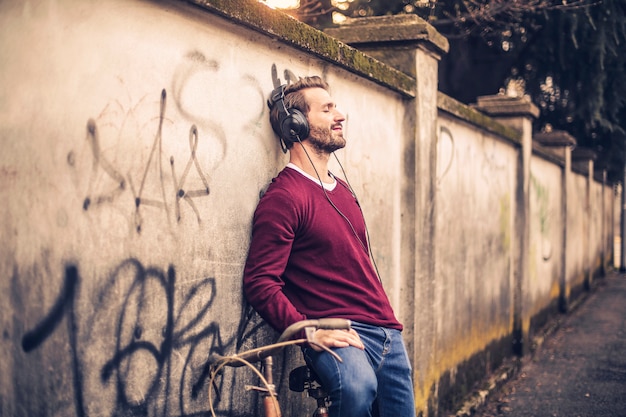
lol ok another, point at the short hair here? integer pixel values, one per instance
(294, 99)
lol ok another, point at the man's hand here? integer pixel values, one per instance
(336, 338)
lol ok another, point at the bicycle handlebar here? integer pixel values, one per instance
(327, 324)
(260, 353)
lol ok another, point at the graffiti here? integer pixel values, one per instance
(134, 179)
(138, 341)
(445, 135)
(290, 77)
(189, 195)
(42, 331)
(154, 164)
(64, 305)
(542, 198)
(202, 89)
(147, 341)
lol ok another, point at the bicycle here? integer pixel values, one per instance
(300, 378)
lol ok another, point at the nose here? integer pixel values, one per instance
(339, 117)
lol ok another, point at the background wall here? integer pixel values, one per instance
(135, 145)
(546, 233)
(476, 179)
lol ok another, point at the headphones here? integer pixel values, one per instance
(292, 123)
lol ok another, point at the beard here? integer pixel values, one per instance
(324, 140)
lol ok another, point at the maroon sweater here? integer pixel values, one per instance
(306, 262)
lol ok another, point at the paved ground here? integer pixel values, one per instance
(580, 369)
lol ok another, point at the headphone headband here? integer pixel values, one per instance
(277, 95)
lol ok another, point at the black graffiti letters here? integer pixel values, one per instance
(151, 189)
(189, 195)
(40, 333)
(145, 337)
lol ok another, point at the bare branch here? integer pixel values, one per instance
(490, 15)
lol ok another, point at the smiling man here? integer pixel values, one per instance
(309, 258)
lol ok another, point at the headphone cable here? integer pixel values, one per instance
(367, 233)
(365, 247)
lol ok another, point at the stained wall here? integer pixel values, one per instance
(135, 146)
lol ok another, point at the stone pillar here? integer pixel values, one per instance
(411, 45)
(622, 220)
(562, 140)
(394, 40)
(605, 229)
(517, 113)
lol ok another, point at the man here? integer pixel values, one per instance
(309, 258)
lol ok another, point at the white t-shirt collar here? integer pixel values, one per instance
(329, 187)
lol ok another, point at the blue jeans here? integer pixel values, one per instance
(373, 382)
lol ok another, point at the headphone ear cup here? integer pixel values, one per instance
(295, 126)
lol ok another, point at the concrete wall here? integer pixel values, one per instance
(135, 144)
(577, 233)
(546, 237)
(483, 302)
(476, 181)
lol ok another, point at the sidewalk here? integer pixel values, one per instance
(580, 369)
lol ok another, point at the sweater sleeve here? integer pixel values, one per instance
(273, 231)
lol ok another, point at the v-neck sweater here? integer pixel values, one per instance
(309, 257)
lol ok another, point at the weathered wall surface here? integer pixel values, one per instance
(482, 298)
(474, 223)
(577, 237)
(476, 175)
(133, 154)
(546, 235)
(135, 143)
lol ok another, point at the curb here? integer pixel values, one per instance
(502, 375)
(488, 388)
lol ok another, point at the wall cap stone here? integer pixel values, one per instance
(280, 26)
(408, 28)
(584, 154)
(477, 118)
(504, 106)
(555, 138)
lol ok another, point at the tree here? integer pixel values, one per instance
(569, 56)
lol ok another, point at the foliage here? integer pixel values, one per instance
(569, 56)
(574, 70)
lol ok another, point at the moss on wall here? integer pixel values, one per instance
(460, 110)
(261, 18)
